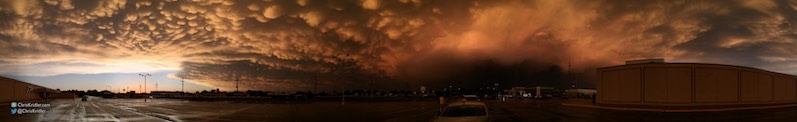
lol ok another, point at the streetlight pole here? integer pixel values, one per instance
(343, 98)
(182, 84)
(145, 83)
(236, 83)
(343, 61)
(343, 92)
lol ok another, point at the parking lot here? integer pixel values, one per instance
(99, 109)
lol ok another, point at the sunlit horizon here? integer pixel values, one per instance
(115, 82)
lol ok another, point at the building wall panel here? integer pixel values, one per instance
(765, 87)
(671, 85)
(622, 85)
(599, 86)
(783, 89)
(749, 87)
(679, 85)
(716, 85)
(20, 92)
(6, 89)
(655, 83)
(756, 86)
(24, 91)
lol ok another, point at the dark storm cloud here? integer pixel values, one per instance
(742, 34)
(299, 44)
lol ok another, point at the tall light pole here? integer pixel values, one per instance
(570, 77)
(236, 83)
(156, 85)
(182, 84)
(145, 83)
(572, 82)
(343, 61)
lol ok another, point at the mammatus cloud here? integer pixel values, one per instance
(319, 44)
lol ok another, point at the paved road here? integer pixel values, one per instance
(551, 110)
(98, 109)
(315, 112)
(92, 110)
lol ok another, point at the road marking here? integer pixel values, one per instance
(157, 115)
(52, 114)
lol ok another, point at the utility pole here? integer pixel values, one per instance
(156, 85)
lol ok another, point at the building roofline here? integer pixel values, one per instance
(745, 67)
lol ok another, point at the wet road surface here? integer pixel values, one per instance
(134, 110)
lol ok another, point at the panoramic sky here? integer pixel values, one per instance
(387, 44)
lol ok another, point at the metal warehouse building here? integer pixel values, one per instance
(14, 90)
(656, 83)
